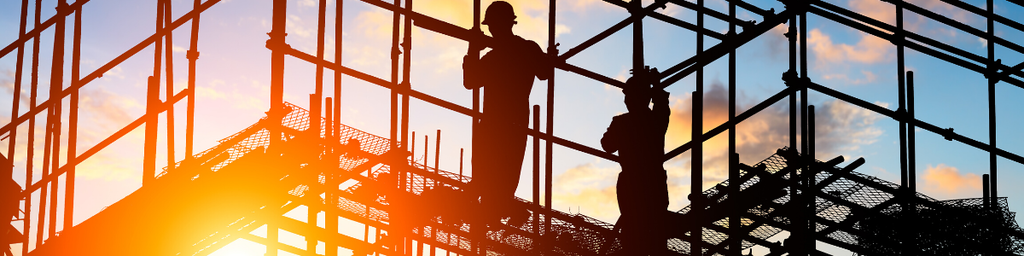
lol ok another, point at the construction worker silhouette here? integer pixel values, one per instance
(641, 190)
(506, 75)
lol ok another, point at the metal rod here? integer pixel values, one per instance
(791, 35)
(734, 172)
(56, 84)
(338, 35)
(16, 96)
(406, 71)
(76, 57)
(911, 137)
(192, 56)
(30, 152)
(152, 99)
(43, 199)
(437, 154)
(170, 87)
(901, 83)
(330, 218)
(549, 157)
(809, 183)
(536, 169)
(993, 169)
(986, 198)
(697, 153)
(277, 37)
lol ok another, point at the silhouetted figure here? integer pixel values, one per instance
(506, 74)
(642, 190)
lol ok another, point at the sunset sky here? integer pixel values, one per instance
(233, 78)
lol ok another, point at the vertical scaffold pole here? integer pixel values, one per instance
(809, 216)
(56, 86)
(72, 151)
(735, 248)
(170, 84)
(152, 100)
(549, 157)
(697, 153)
(30, 152)
(15, 104)
(192, 56)
(277, 41)
(992, 80)
(791, 75)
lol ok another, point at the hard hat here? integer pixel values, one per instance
(499, 11)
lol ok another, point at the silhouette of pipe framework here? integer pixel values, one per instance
(376, 184)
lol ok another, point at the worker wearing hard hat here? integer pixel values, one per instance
(506, 74)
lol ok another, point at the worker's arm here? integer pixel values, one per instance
(544, 67)
(610, 142)
(661, 109)
(470, 73)
(471, 77)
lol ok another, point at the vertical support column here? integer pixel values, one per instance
(395, 51)
(406, 71)
(986, 198)
(536, 169)
(56, 86)
(790, 77)
(791, 73)
(30, 152)
(330, 219)
(906, 194)
(192, 56)
(338, 20)
(993, 170)
(152, 101)
(16, 96)
(735, 248)
(697, 198)
(170, 84)
(76, 57)
(911, 137)
(437, 155)
(549, 157)
(43, 190)
(315, 105)
(809, 241)
(15, 104)
(277, 41)
(809, 182)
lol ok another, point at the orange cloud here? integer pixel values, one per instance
(869, 50)
(947, 181)
(589, 188)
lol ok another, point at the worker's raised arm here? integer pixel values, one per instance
(544, 66)
(471, 72)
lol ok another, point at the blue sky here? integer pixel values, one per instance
(233, 89)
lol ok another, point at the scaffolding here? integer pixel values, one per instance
(38, 220)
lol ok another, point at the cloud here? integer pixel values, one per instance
(869, 50)
(947, 181)
(589, 187)
(868, 77)
(109, 106)
(7, 85)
